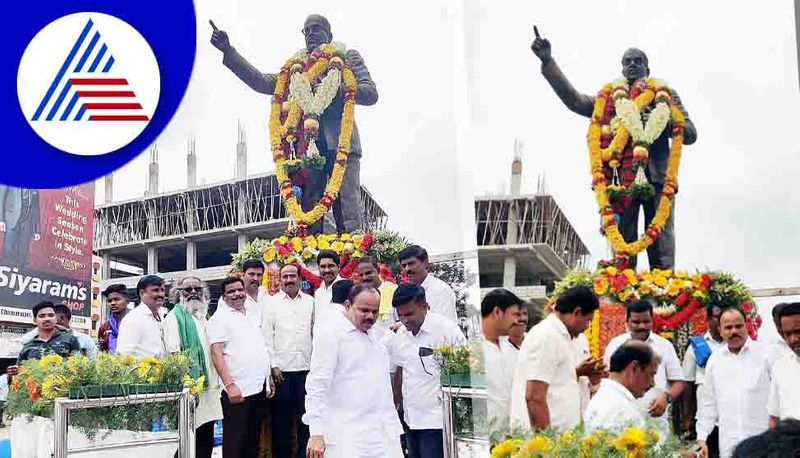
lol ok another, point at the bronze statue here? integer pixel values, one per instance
(660, 254)
(347, 208)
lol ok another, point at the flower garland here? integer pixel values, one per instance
(294, 142)
(618, 168)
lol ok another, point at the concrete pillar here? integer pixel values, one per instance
(516, 169)
(108, 188)
(105, 273)
(152, 260)
(152, 172)
(191, 165)
(509, 272)
(242, 241)
(191, 255)
(241, 154)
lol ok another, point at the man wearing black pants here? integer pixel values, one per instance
(242, 362)
(288, 322)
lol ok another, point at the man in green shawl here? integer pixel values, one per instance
(186, 331)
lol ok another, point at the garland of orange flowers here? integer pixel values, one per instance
(597, 154)
(282, 134)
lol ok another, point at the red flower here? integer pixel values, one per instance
(367, 242)
(619, 282)
(758, 321)
(680, 301)
(706, 281)
(747, 307)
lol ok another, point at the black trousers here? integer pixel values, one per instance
(425, 443)
(242, 425)
(290, 395)
(713, 443)
(204, 440)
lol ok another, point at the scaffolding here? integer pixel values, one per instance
(225, 205)
(538, 219)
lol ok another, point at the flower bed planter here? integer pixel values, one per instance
(463, 380)
(102, 391)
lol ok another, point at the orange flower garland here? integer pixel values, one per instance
(282, 135)
(598, 156)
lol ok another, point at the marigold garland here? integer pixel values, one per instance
(644, 93)
(284, 135)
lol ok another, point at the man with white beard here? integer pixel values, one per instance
(186, 331)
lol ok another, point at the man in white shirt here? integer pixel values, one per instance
(694, 369)
(349, 406)
(328, 265)
(613, 407)
(669, 377)
(784, 396)
(499, 313)
(256, 298)
(410, 350)
(186, 331)
(545, 392)
(287, 328)
(242, 361)
(141, 333)
(440, 296)
(777, 345)
(737, 378)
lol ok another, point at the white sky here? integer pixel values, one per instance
(442, 133)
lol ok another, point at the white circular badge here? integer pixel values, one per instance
(88, 83)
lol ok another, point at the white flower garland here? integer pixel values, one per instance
(630, 116)
(310, 102)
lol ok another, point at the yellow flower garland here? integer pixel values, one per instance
(596, 156)
(280, 133)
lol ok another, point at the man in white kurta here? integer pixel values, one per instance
(614, 407)
(440, 296)
(328, 265)
(141, 333)
(349, 406)
(193, 295)
(669, 377)
(738, 380)
(784, 397)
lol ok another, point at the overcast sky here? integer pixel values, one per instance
(442, 132)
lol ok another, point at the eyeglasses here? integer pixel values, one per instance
(189, 289)
(307, 30)
(424, 351)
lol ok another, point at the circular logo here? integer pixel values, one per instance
(88, 83)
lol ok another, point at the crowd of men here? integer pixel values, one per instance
(740, 391)
(347, 372)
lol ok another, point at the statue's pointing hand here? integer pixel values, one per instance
(219, 38)
(541, 47)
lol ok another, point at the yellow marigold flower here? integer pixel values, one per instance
(600, 286)
(660, 280)
(538, 446)
(645, 288)
(625, 294)
(653, 436)
(53, 386)
(567, 438)
(345, 237)
(126, 360)
(506, 448)
(50, 361)
(699, 294)
(697, 280)
(681, 274)
(269, 254)
(201, 382)
(358, 239)
(297, 243)
(323, 244)
(306, 254)
(674, 287)
(633, 439)
(337, 246)
(283, 239)
(311, 241)
(611, 270)
(24, 371)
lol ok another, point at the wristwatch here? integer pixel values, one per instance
(669, 397)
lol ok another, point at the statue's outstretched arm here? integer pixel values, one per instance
(689, 131)
(263, 83)
(366, 92)
(579, 103)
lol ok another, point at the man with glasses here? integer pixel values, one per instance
(186, 331)
(411, 349)
(141, 333)
(317, 32)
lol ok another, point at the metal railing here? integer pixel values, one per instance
(449, 427)
(185, 439)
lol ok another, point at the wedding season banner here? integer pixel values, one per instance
(46, 251)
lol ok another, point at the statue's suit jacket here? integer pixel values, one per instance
(584, 105)
(264, 83)
(19, 206)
